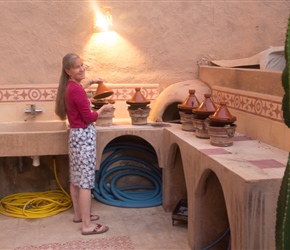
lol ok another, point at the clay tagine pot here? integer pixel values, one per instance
(102, 91)
(98, 103)
(138, 100)
(205, 109)
(222, 116)
(190, 103)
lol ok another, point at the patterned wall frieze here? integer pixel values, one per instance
(40, 94)
(27, 94)
(121, 94)
(256, 105)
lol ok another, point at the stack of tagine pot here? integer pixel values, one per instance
(186, 111)
(98, 100)
(204, 110)
(138, 109)
(221, 127)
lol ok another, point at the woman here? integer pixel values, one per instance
(72, 102)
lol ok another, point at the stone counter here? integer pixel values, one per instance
(234, 187)
(151, 132)
(249, 174)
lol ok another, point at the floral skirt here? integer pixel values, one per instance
(82, 156)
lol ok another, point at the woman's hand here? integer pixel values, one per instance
(92, 81)
(96, 80)
(105, 108)
(108, 107)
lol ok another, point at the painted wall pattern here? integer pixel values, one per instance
(258, 106)
(41, 94)
(121, 94)
(27, 94)
(262, 107)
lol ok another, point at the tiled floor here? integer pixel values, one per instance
(148, 228)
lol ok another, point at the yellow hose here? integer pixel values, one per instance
(33, 205)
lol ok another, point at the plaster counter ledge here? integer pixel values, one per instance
(250, 174)
(123, 124)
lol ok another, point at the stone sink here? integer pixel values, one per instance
(33, 138)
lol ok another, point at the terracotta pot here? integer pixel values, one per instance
(105, 118)
(222, 136)
(186, 121)
(190, 103)
(200, 128)
(139, 116)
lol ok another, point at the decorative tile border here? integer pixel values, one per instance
(27, 94)
(257, 105)
(39, 94)
(121, 93)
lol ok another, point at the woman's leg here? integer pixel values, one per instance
(88, 227)
(74, 193)
(82, 171)
(85, 209)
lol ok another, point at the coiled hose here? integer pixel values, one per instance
(139, 196)
(33, 205)
(219, 239)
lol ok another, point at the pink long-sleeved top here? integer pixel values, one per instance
(78, 106)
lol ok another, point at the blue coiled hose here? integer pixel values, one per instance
(140, 196)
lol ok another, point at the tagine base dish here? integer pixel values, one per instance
(221, 121)
(98, 103)
(202, 115)
(136, 105)
(185, 109)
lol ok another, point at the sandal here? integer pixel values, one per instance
(93, 217)
(99, 229)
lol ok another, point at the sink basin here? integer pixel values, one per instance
(33, 138)
(33, 127)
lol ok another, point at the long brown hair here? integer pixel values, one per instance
(68, 62)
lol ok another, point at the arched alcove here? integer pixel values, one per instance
(175, 175)
(171, 113)
(129, 175)
(127, 140)
(173, 95)
(211, 218)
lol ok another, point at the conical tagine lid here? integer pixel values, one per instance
(207, 106)
(222, 115)
(138, 99)
(102, 91)
(191, 102)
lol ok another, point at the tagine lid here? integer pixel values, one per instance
(206, 107)
(138, 99)
(191, 102)
(222, 115)
(102, 91)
